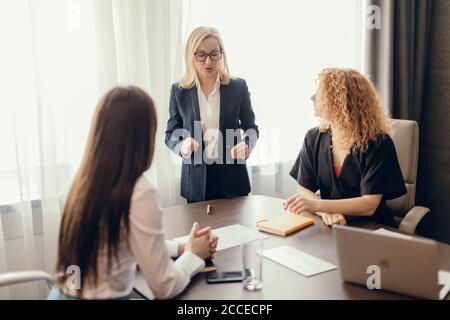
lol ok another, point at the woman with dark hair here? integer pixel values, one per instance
(112, 220)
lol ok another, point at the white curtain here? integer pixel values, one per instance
(43, 97)
(58, 57)
(140, 42)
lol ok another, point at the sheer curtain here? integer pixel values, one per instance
(48, 90)
(58, 57)
(140, 42)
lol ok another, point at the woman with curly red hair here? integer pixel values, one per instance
(350, 156)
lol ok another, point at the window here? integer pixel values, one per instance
(49, 71)
(279, 47)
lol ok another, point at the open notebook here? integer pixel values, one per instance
(285, 224)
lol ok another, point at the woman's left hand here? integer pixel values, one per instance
(240, 151)
(297, 204)
(330, 219)
(214, 240)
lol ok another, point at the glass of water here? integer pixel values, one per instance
(252, 263)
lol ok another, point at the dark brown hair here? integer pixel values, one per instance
(119, 150)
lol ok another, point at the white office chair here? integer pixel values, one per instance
(406, 139)
(12, 278)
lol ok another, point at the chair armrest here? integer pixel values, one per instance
(412, 218)
(10, 278)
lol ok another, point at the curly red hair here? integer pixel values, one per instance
(350, 103)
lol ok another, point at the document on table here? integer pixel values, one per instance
(231, 236)
(298, 261)
(444, 280)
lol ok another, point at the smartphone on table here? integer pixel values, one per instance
(225, 276)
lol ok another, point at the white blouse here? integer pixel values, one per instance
(209, 107)
(148, 248)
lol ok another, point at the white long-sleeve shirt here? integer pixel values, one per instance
(209, 107)
(148, 248)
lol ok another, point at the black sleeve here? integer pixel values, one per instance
(173, 123)
(381, 173)
(247, 118)
(304, 169)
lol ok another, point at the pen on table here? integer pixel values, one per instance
(208, 209)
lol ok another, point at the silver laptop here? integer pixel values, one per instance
(404, 265)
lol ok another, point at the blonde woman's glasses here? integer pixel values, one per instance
(202, 56)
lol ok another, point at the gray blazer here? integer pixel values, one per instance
(235, 113)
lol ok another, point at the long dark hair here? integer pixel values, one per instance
(119, 150)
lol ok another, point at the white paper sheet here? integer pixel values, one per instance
(231, 236)
(444, 280)
(298, 261)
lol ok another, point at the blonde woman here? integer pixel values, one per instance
(208, 110)
(350, 157)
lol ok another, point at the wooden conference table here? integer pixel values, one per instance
(278, 281)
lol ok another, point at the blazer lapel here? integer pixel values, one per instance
(195, 103)
(223, 103)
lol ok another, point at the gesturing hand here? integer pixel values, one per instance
(189, 145)
(200, 234)
(240, 151)
(297, 204)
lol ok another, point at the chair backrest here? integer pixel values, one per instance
(406, 141)
(11, 278)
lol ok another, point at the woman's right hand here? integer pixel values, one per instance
(330, 219)
(189, 145)
(199, 245)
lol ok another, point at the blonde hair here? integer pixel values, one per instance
(351, 104)
(192, 44)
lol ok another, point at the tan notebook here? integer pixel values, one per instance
(284, 224)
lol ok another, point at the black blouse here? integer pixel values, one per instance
(374, 171)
